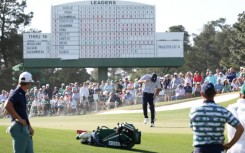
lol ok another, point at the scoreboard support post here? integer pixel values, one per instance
(102, 73)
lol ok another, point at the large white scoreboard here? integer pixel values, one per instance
(103, 29)
(114, 33)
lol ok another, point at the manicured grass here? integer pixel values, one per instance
(63, 141)
(57, 134)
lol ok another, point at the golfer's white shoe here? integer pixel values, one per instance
(146, 120)
(152, 125)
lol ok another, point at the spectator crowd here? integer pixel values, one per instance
(75, 98)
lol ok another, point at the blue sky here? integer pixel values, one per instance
(192, 14)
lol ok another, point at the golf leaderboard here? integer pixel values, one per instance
(94, 29)
(115, 33)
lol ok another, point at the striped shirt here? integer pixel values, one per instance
(208, 123)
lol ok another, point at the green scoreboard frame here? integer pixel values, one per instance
(104, 62)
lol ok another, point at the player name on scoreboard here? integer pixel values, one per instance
(37, 45)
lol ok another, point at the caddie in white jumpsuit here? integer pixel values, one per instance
(238, 110)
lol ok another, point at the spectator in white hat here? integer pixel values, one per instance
(221, 77)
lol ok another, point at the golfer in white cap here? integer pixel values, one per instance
(20, 128)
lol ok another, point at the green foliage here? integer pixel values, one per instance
(223, 43)
(237, 39)
(7, 81)
(13, 19)
(206, 48)
(69, 75)
(55, 77)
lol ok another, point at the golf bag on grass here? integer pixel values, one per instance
(123, 136)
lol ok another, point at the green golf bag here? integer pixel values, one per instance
(123, 136)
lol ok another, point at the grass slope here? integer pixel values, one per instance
(57, 134)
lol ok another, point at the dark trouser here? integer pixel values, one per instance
(148, 98)
(210, 148)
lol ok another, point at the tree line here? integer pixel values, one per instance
(218, 45)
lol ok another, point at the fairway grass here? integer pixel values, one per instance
(57, 134)
(63, 141)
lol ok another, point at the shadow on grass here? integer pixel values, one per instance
(133, 150)
(166, 127)
(143, 151)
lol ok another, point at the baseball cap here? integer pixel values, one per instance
(25, 77)
(208, 88)
(243, 89)
(154, 77)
